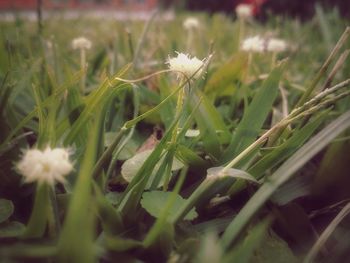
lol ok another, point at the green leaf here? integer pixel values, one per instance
(76, 243)
(255, 115)
(283, 174)
(231, 172)
(11, 229)
(210, 249)
(211, 125)
(189, 157)
(131, 167)
(95, 99)
(273, 249)
(298, 138)
(128, 150)
(133, 193)
(118, 244)
(6, 209)
(245, 249)
(39, 217)
(111, 220)
(154, 202)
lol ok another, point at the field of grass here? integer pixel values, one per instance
(247, 162)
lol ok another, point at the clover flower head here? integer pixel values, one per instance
(276, 45)
(47, 166)
(254, 44)
(191, 23)
(81, 43)
(244, 10)
(188, 66)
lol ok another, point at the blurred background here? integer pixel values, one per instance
(296, 8)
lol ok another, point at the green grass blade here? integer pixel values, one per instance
(282, 152)
(244, 250)
(210, 123)
(282, 174)
(76, 241)
(255, 115)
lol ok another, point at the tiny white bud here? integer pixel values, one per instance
(81, 43)
(253, 44)
(244, 11)
(191, 23)
(276, 45)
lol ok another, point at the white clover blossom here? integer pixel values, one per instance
(244, 10)
(188, 66)
(191, 23)
(81, 43)
(47, 166)
(276, 45)
(254, 44)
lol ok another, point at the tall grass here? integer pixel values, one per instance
(225, 148)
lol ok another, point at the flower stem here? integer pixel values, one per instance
(83, 69)
(178, 110)
(39, 217)
(273, 60)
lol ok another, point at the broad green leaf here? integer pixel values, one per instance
(209, 188)
(153, 202)
(128, 150)
(131, 166)
(255, 115)
(6, 209)
(133, 192)
(273, 249)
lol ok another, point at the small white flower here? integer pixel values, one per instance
(188, 66)
(46, 166)
(276, 45)
(81, 43)
(244, 11)
(191, 23)
(254, 44)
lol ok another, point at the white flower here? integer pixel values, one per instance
(191, 23)
(276, 45)
(81, 43)
(46, 166)
(244, 11)
(188, 66)
(254, 44)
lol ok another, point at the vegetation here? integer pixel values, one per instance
(245, 163)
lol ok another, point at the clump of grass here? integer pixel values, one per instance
(255, 122)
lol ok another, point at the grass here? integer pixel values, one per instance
(253, 186)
